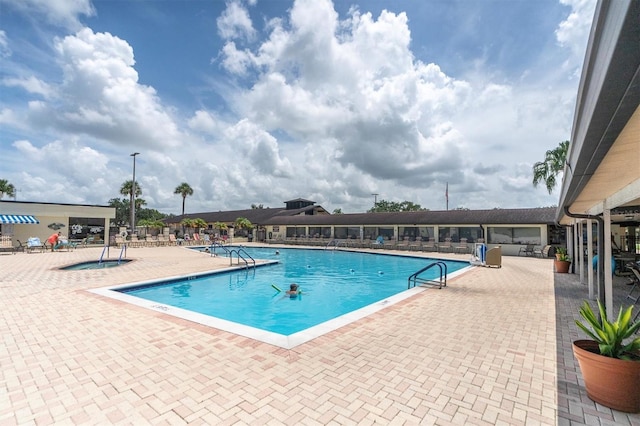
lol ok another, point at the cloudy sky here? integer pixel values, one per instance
(263, 101)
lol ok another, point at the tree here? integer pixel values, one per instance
(337, 211)
(122, 210)
(125, 189)
(199, 223)
(187, 223)
(392, 206)
(553, 164)
(153, 224)
(7, 188)
(243, 223)
(220, 226)
(184, 190)
(257, 206)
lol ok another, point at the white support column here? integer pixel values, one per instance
(576, 237)
(608, 272)
(106, 231)
(579, 257)
(569, 235)
(590, 259)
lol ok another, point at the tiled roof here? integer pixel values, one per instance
(281, 216)
(255, 216)
(544, 215)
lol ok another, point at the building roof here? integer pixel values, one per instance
(543, 215)
(255, 216)
(602, 162)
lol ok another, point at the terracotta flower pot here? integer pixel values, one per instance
(612, 382)
(562, 266)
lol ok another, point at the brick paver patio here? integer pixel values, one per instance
(494, 347)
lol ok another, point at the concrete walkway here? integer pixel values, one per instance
(494, 347)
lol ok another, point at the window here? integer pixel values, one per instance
(508, 235)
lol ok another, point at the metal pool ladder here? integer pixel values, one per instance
(414, 279)
(241, 253)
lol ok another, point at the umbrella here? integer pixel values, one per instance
(55, 225)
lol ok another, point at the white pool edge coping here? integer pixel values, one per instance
(275, 339)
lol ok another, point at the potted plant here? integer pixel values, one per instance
(562, 262)
(560, 251)
(610, 367)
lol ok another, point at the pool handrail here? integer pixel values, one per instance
(122, 250)
(415, 280)
(336, 242)
(239, 252)
(105, 248)
(212, 248)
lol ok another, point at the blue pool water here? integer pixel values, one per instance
(83, 266)
(333, 283)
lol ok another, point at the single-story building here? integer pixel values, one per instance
(21, 220)
(303, 219)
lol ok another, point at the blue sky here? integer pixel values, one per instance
(259, 102)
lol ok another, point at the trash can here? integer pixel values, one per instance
(250, 238)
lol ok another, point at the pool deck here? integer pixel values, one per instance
(494, 347)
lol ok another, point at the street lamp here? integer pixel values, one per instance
(133, 195)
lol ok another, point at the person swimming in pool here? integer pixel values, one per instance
(293, 290)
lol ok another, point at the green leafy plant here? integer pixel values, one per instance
(611, 335)
(564, 257)
(561, 250)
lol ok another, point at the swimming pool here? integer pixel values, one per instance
(337, 287)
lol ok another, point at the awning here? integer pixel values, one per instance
(18, 218)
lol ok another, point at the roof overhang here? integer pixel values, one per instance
(603, 162)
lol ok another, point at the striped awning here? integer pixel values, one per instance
(18, 218)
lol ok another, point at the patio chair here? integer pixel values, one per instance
(635, 283)
(543, 252)
(527, 250)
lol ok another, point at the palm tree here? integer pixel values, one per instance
(183, 189)
(243, 223)
(151, 223)
(7, 188)
(553, 164)
(220, 226)
(125, 189)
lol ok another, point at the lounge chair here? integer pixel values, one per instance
(65, 244)
(430, 245)
(462, 247)
(389, 244)
(173, 241)
(33, 244)
(404, 244)
(378, 243)
(445, 247)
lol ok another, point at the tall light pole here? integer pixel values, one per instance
(133, 195)
(375, 200)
